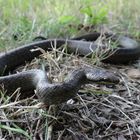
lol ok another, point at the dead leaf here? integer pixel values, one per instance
(134, 73)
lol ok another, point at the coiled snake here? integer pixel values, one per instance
(127, 50)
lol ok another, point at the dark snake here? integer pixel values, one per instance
(127, 50)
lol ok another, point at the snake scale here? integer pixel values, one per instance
(127, 50)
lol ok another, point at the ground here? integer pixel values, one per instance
(98, 111)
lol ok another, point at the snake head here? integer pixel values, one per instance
(101, 76)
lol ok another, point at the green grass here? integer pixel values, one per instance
(125, 16)
(51, 18)
(17, 130)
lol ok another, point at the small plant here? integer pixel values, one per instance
(94, 13)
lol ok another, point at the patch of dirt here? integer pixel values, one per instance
(102, 116)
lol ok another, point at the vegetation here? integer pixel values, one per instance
(21, 21)
(55, 18)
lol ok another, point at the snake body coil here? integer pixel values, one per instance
(48, 93)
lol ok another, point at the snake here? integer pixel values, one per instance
(36, 80)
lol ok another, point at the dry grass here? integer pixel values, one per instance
(98, 112)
